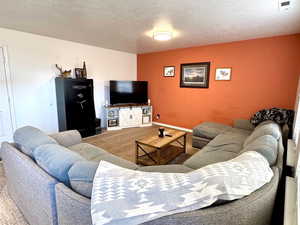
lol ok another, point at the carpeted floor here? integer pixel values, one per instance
(9, 213)
(122, 143)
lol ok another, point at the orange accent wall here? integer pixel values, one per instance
(264, 75)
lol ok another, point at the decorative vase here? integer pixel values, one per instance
(84, 73)
(161, 132)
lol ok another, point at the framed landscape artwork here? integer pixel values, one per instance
(195, 75)
(223, 74)
(169, 71)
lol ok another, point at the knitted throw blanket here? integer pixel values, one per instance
(279, 116)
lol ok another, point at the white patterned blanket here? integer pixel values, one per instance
(122, 196)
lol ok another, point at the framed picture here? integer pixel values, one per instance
(169, 71)
(195, 75)
(78, 73)
(223, 74)
(145, 110)
(113, 123)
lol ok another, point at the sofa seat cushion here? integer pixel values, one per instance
(96, 154)
(209, 155)
(209, 130)
(239, 131)
(234, 148)
(265, 128)
(29, 138)
(56, 160)
(199, 142)
(81, 176)
(87, 151)
(228, 139)
(116, 160)
(166, 169)
(266, 145)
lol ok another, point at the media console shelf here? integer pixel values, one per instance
(125, 116)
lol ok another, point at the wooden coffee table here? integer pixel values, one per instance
(159, 145)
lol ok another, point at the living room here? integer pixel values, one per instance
(155, 89)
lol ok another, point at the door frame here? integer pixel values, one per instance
(8, 80)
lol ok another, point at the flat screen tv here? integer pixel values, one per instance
(128, 92)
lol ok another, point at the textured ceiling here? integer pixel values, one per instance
(126, 25)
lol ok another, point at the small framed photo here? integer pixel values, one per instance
(113, 123)
(169, 71)
(145, 111)
(223, 74)
(78, 73)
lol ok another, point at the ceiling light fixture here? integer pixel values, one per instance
(162, 35)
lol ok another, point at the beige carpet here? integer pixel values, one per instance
(9, 213)
(122, 143)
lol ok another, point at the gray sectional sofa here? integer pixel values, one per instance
(205, 132)
(50, 177)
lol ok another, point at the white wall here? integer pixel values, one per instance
(32, 61)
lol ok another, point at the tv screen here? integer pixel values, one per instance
(128, 92)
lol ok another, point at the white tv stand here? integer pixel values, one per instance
(125, 116)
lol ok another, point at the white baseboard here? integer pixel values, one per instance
(174, 127)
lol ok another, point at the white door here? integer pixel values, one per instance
(6, 115)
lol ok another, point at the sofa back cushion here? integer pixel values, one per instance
(266, 128)
(56, 160)
(210, 130)
(266, 145)
(228, 140)
(81, 176)
(28, 138)
(67, 138)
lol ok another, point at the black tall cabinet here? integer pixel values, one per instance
(75, 105)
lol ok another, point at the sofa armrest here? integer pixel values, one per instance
(72, 208)
(67, 138)
(31, 188)
(243, 124)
